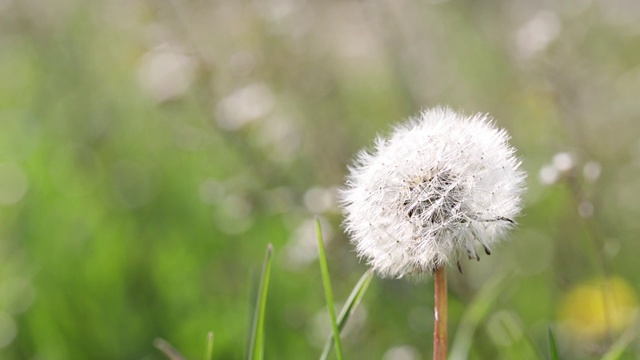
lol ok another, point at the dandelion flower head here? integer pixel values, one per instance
(442, 185)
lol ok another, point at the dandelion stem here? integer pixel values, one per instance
(440, 315)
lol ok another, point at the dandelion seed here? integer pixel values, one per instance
(440, 186)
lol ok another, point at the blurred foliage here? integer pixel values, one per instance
(149, 150)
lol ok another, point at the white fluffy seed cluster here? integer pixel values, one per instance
(440, 186)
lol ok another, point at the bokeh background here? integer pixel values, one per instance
(149, 151)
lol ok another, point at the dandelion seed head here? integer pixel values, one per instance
(440, 186)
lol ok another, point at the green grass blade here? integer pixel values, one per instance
(553, 345)
(171, 352)
(209, 354)
(256, 347)
(475, 312)
(347, 310)
(326, 282)
(354, 299)
(620, 346)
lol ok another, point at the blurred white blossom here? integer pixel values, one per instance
(562, 164)
(319, 200)
(235, 215)
(585, 209)
(166, 72)
(441, 182)
(591, 171)
(403, 352)
(537, 33)
(302, 248)
(244, 105)
(280, 137)
(548, 175)
(563, 161)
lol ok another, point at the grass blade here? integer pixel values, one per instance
(553, 345)
(171, 352)
(347, 310)
(326, 282)
(620, 346)
(256, 347)
(476, 311)
(209, 354)
(354, 299)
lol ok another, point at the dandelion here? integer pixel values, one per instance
(441, 184)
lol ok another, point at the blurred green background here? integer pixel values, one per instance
(149, 151)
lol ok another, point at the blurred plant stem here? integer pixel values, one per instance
(171, 352)
(209, 354)
(594, 232)
(440, 315)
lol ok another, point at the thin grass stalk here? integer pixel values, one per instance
(553, 345)
(171, 352)
(209, 353)
(348, 309)
(256, 347)
(326, 282)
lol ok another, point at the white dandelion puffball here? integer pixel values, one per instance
(438, 187)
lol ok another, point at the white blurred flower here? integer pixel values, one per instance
(319, 200)
(563, 162)
(166, 72)
(403, 352)
(302, 248)
(585, 209)
(441, 182)
(537, 33)
(549, 175)
(245, 105)
(281, 138)
(591, 171)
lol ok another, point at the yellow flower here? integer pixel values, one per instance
(595, 309)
